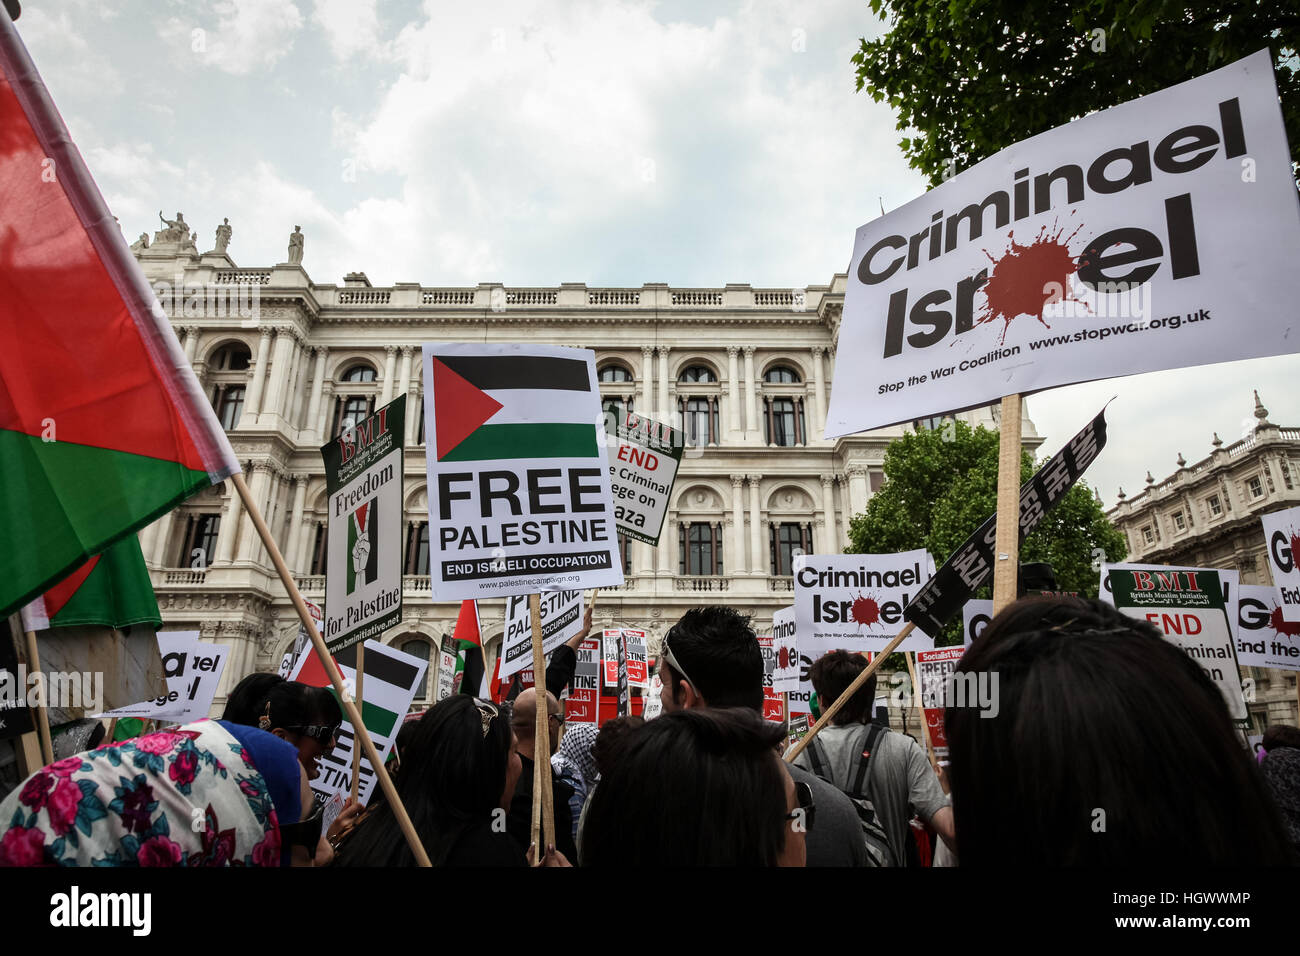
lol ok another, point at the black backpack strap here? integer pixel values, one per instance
(815, 756)
(874, 732)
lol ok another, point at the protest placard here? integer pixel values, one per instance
(519, 492)
(583, 704)
(975, 616)
(363, 475)
(1264, 637)
(192, 669)
(773, 702)
(643, 460)
(1187, 607)
(1282, 541)
(561, 619)
(447, 654)
(1229, 583)
(654, 705)
(933, 669)
(303, 642)
(392, 679)
(635, 641)
(856, 601)
(1157, 234)
(785, 652)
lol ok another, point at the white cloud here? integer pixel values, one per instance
(249, 35)
(60, 50)
(351, 26)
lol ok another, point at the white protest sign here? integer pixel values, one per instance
(1157, 234)
(635, 643)
(192, 668)
(1264, 637)
(653, 702)
(1229, 582)
(933, 668)
(1187, 607)
(392, 679)
(643, 460)
(519, 493)
(291, 656)
(975, 616)
(1282, 545)
(856, 601)
(785, 652)
(446, 669)
(583, 705)
(561, 619)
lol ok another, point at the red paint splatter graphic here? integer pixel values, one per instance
(1027, 279)
(866, 611)
(1295, 544)
(1283, 626)
(783, 659)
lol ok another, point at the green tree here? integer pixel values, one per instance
(971, 77)
(941, 485)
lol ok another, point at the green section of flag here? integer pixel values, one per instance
(63, 503)
(127, 728)
(527, 440)
(378, 721)
(352, 542)
(117, 593)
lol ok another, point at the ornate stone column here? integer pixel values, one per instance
(325, 420)
(846, 512)
(313, 407)
(163, 544)
(390, 367)
(817, 421)
(826, 524)
(756, 564)
(859, 490)
(404, 376)
(734, 432)
(664, 412)
(228, 533)
(191, 343)
(294, 539)
(280, 383)
(752, 428)
(647, 382)
(253, 406)
(250, 548)
(737, 543)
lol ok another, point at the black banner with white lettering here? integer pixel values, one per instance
(953, 584)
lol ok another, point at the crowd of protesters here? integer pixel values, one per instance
(1108, 746)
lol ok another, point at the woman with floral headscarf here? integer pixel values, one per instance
(205, 794)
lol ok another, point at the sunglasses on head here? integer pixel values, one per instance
(323, 734)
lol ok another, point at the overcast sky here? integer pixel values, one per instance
(532, 143)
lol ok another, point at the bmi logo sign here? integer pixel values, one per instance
(363, 475)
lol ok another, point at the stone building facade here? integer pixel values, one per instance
(1207, 515)
(284, 360)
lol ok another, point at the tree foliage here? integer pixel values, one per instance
(971, 77)
(941, 485)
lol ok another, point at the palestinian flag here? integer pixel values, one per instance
(112, 589)
(386, 692)
(103, 426)
(486, 407)
(469, 661)
(363, 525)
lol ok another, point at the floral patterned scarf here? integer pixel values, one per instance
(189, 796)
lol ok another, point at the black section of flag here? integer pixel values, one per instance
(390, 670)
(493, 372)
(947, 592)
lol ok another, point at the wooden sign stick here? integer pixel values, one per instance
(356, 751)
(42, 715)
(336, 679)
(1006, 549)
(543, 799)
(849, 691)
(920, 710)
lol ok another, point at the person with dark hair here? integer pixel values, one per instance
(1281, 770)
(612, 739)
(457, 775)
(308, 717)
(711, 658)
(247, 700)
(885, 774)
(1085, 720)
(699, 788)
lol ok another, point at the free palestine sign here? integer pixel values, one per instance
(1158, 234)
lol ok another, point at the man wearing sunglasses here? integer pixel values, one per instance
(519, 820)
(711, 658)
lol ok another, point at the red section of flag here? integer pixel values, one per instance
(467, 624)
(361, 518)
(459, 407)
(313, 671)
(59, 595)
(63, 319)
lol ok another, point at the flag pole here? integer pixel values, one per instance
(849, 691)
(318, 643)
(1006, 549)
(42, 716)
(543, 800)
(356, 751)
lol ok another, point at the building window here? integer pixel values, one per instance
(1212, 503)
(1254, 487)
(700, 548)
(697, 374)
(228, 402)
(200, 544)
(615, 373)
(615, 408)
(625, 553)
(420, 440)
(1180, 524)
(351, 411)
(231, 358)
(699, 420)
(359, 373)
(417, 548)
(320, 550)
(932, 424)
(1148, 536)
(787, 540)
(417, 648)
(781, 375)
(784, 422)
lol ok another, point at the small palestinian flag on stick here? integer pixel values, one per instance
(111, 589)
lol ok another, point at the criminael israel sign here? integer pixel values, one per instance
(519, 493)
(1157, 234)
